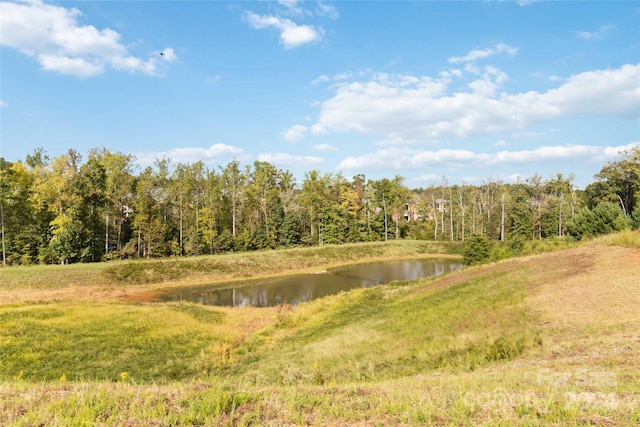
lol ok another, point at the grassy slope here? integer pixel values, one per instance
(548, 339)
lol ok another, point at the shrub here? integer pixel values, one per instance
(516, 244)
(499, 252)
(291, 230)
(605, 218)
(635, 218)
(476, 250)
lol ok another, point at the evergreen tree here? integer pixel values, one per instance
(476, 250)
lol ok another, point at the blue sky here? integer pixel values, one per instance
(469, 91)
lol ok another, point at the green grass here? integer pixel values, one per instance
(393, 331)
(43, 342)
(468, 348)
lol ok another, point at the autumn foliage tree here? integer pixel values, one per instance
(69, 209)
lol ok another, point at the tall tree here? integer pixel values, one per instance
(211, 213)
(558, 189)
(89, 186)
(119, 194)
(196, 176)
(520, 217)
(178, 190)
(619, 182)
(264, 179)
(463, 209)
(37, 234)
(5, 195)
(383, 197)
(537, 203)
(400, 195)
(151, 210)
(233, 181)
(57, 190)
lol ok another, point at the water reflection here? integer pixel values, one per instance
(296, 289)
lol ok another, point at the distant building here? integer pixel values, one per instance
(411, 212)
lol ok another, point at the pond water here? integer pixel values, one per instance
(305, 287)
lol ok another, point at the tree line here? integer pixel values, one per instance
(66, 210)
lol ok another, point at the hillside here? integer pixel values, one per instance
(550, 339)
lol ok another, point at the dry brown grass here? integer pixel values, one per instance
(591, 323)
(601, 287)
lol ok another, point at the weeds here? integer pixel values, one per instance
(626, 238)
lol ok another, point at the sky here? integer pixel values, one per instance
(468, 91)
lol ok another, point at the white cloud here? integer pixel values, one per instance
(392, 139)
(292, 35)
(323, 147)
(130, 63)
(614, 152)
(190, 154)
(491, 80)
(291, 7)
(611, 91)
(398, 139)
(430, 177)
(78, 67)
(594, 35)
(326, 10)
(291, 160)
(295, 133)
(318, 129)
(168, 55)
(3, 104)
(420, 107)
(53, 36)
(477, 54)
(546, 153)
(340, 77)
(403, 158)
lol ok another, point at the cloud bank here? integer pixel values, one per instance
(403, 158)
(286, 160)
(53, 36)
(207, 155)
(423, 107)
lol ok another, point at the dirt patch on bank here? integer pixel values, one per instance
(80, 293)
(597, 285)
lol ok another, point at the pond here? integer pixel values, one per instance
(306, 287)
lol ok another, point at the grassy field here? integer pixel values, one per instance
(548, 339)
